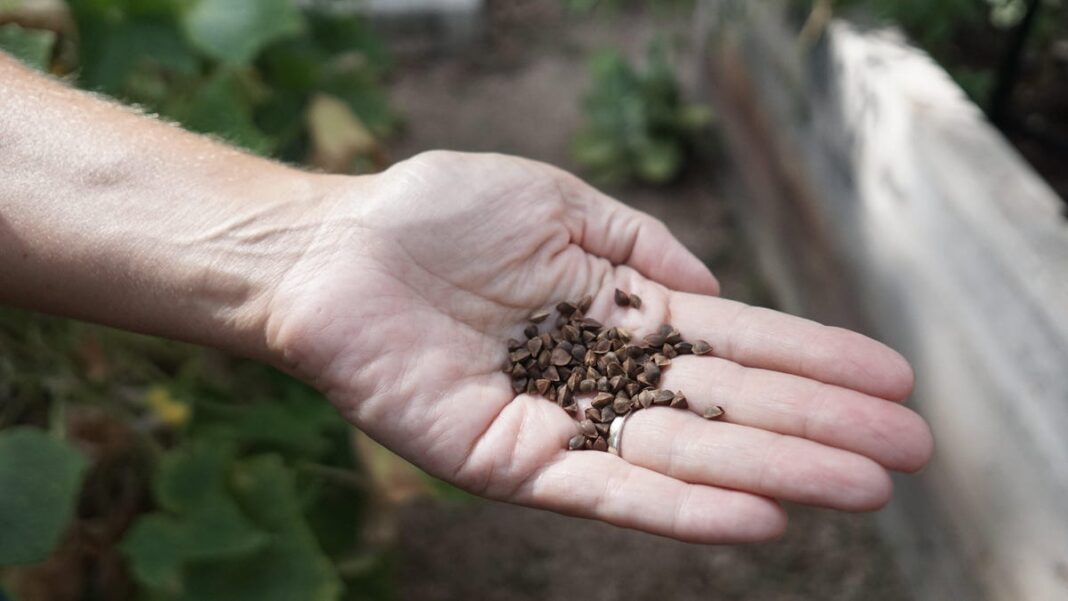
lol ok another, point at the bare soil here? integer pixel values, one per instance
(520, 92)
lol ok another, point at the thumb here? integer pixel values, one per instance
(607, 228)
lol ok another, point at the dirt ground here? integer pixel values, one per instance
(519, 92)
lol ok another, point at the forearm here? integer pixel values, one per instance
(113, 217)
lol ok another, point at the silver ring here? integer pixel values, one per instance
(615, 434)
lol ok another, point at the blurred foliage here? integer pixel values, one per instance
(247, 71)
(637, 126)
(208, 476)
(963, 35)
(155, 470)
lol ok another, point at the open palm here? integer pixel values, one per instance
(400, 313)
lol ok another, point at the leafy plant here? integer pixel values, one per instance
(240, 482)
(245, 71)
(637, 125)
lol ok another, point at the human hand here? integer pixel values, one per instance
(400, 310)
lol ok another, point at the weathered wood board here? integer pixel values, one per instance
(878, 197)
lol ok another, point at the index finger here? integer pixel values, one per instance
(767, 339)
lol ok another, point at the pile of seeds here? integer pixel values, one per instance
(580, 356)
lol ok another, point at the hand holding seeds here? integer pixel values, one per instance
(452, 268)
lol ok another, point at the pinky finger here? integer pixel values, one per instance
(601, 486)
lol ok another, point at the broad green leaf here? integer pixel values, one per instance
(154, 549)
(217, 529)
(192, 475)
(31, 46)
(234, 31)
(115, 45)
(292, 566)
(40, 478)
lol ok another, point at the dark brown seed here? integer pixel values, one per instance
(652, 373)
(602, 384)
(506, 366)
(586, 428)
(551, 374)
(645, 398)
(571, 409)
(534, 346)
(630, 367)
(623, 334)
(600, 445)
(673, 338)
(519, 385)
(603, 346)
(588, 337)
(632, 388)
(576, 442)
(661, 360)
(546, 339)
(603, 429)
(589, 444)
(589, 323)
(578, 352)
(544, 359)
(665, 330)
(701, 348)
(622, 298)
(585, 303)
(643, 380)
(532, 386)
(621, 405)
(519, 355)
(550, 394)
(615, 369)
(679, 402)
(636, 301)
(669, 351)
(560, 357)
(593, 374)
(611, 357)
(615, 383)
(513, 344)
(663, 397)
(571, 333)
(586, 386)
(593, 414)
(519, 371)
(603, 399)
(590, 358)
(574, 379)
(542, 386)
(684, 348)
(531, 331)
(564, 396)
(607, 415)
(713, 412)
(654, 341)
(565, 308)
(538, 316)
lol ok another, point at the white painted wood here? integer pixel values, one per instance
(880, 198)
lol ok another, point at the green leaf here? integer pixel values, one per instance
(39, 482)
(222, 106)
(293, 566)
(31, 46)
(153, 547)
(191, 475)
(659, 162)
(234, 32)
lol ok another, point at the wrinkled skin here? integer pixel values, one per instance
(400, 310)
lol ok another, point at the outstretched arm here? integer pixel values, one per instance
(110, 216)
(396, 294)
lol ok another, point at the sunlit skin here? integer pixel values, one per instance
(394, 294)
